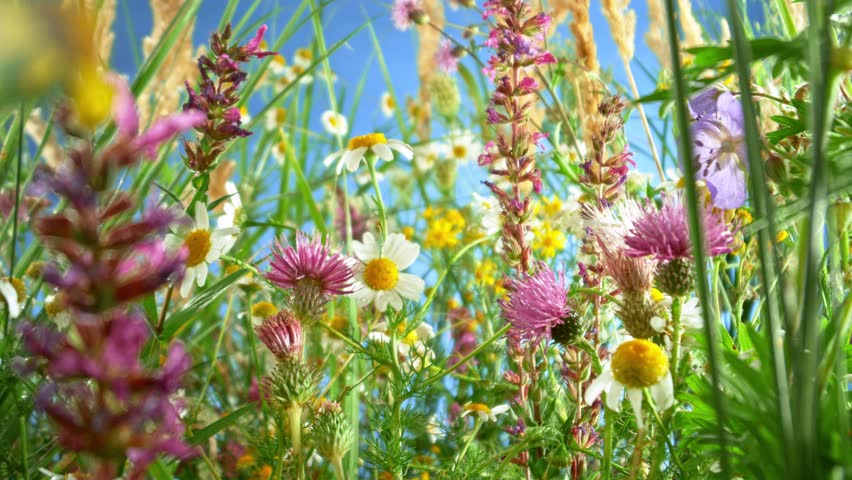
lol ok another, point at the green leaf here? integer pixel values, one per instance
(200, 301)
(226, 421)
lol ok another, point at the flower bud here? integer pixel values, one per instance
(282, 335)
(331, 432)
(445, 94)
(637, 311)
(291, 384)
(676, 276)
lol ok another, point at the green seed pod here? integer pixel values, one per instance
(331, 433)
(676, 277)
(445, 94)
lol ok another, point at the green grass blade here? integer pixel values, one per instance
(711, 327)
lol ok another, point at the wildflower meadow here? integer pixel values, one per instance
(425, 239)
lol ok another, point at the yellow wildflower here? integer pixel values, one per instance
(548, 241)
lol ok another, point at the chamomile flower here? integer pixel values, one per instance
(278, 65)
(13, 294)
(388, 105)
(412, 347)
(488, 210)
(359, 146)
(233, 207)
(279, 152)
(275, 118)
(334, 123)
(636, 364)
(378, 272)
(303, 57)
(204, 246)
(427, 156)
(464, 146)
(484, 412)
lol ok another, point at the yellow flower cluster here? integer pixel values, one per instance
(444, 227)
(548, 241)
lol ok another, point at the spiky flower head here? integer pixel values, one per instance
(291, 384)
(331, 432)
(536, 303)
(664, 233)
(638, 311)
(676, 276)
(631, 274)
(282, 335)
(313, 271)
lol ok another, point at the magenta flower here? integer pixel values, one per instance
(312, 271)
(127, 122)
(537, 302)
(282, 335)
(404, 13)
(446, 58)
(664, 233)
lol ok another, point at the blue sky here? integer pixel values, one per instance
(399, 49)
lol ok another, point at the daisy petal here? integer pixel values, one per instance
(613, 396)
(634, 395)
(402, 148)
(352, 158)
(410, 286)
(663, 393)
(367, 249)
(598, 386)
(201, 271)
(201, 220)
(186, 283)
(11, 295)
(382, 151)
(400, 251)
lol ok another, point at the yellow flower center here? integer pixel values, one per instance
(280, 115)
(381, 274)
(19, 287)
(263, 309)
(55, 305)
(279, 59)
(198, 243)
(459, 151)
(656, 295)
(367, 140)
(389, 103)
(477, 407)
(244, 112)
(639, 363)
(304, 54)
(409, 339)
(298, 70)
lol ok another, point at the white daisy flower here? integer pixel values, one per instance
(275, 118)
(56, 309)
(203, 247)
(488, 210)
(484, 412)
(360, 145)
(303, 57)
(388, 105)
(245, 116)
(636, 364)
(427, 156)
(13, 294)
(233, 207)
(334, 123)
(413, 351)
(464, 146)
(378, 277)
(279, 152)
(278, 65)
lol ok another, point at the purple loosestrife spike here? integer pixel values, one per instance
(664, 233)
(282, 335)
(720, 149)
(536, 303)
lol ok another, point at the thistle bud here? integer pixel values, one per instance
(291, 384)
(282, 335)
(445, 93)
(331, 432)
(568, 330)
(675, 277)
(637, 311)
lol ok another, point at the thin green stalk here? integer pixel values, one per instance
(338, 468)
(608, 444)
(768, 255)
(786, 18)
(380, 204)
(25, 453)
(294, 415)
(823, 91)
(476, 426)
(214, 358)
(466, 358)
(676, 334)
(20, 155)
(696, 233)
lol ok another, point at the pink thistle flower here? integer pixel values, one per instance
(282, 335)
(537, 302)
(664, 233)
(404, 13)
(446, 57)
(631, 274)
(312, 271)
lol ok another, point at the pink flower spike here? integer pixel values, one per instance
(232, 115)
(545, 58)
(528, 85)
(124, 109)
(167, 128)
(254, 45)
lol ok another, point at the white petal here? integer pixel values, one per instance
(464, 413)
(382, 151)
(364, 296)
(410, 286)
(658, 323)
(382, 299)
(201, 274)
(331, 158)
(403, 148)
(186, 283)
(400, 251)
(367, 249)
(634, 395)
(499, 409)
(394, 299)
(173, 241)
(352, 158)
(424, 330)
(201, 220)
(598, 385)
(614, 392)
(663, 393)
(11, 295)
(378, 337)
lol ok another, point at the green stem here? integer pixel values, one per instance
(608, 443)
(466, 358)
(338, 468)
(676, 334)
(477, 425)
(294, 415)
(383, 217)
